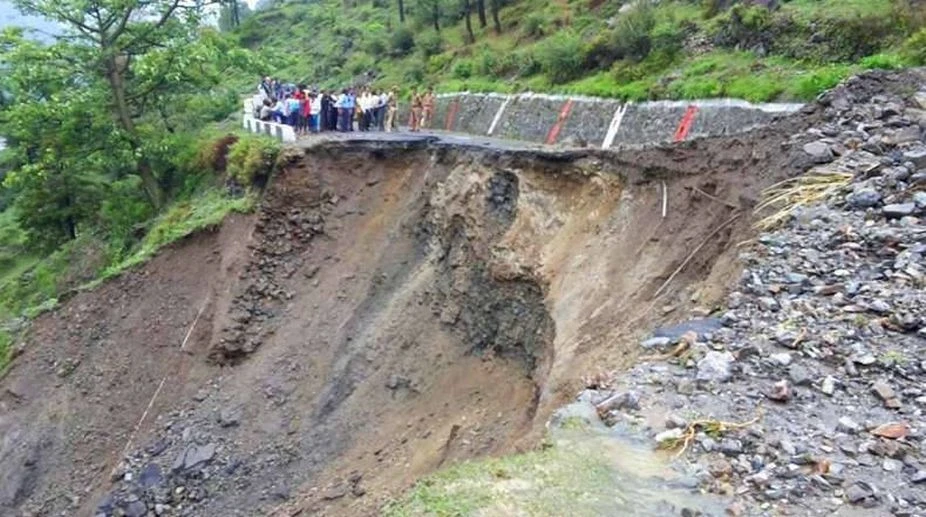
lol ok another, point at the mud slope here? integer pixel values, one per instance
(390, 309)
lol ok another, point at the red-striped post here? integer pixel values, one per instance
(558, 126)
(684, 126)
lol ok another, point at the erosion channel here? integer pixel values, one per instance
(392, 308)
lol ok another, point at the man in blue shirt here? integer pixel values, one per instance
(347, 115)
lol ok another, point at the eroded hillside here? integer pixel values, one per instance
(392, 308)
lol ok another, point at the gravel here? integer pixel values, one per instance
(818, 358)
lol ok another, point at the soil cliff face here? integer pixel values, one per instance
(391, 308)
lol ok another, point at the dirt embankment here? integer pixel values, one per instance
(389, 310)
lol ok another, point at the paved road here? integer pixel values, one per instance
(435, 138)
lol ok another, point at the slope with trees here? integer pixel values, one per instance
(111, 139)
(636, 50)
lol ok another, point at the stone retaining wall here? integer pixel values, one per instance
(603, 123)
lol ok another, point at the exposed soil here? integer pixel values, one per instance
(390, 309)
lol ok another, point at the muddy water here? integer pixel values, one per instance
(637, 480)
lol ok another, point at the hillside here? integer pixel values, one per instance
(671, 49)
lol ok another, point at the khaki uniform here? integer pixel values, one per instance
(414, 123)
(428, 110)
(392, 106)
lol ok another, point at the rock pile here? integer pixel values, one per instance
(281, 236)
(823, 342)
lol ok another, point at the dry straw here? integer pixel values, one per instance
(786, 197)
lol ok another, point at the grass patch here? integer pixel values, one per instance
(184, 218)
(813, 10)
(555, 481)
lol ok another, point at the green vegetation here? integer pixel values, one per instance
(115, 143)
(553, 481)
(629, 50)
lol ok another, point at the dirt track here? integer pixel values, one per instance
(391, 308)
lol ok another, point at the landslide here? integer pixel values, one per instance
(393, 307)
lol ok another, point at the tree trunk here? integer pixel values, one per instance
(115, 69)
(493, 5)
(236, 13)
(401, 11)
(481, 10)
(467, 10)
(435, 14)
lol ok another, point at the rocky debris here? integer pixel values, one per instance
(281, 235)
(715, 366)
(827, 325)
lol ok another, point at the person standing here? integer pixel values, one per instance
(427, 108)
(265, 90)
(301, 110)
(324, 111)
(315, 105)
(414, 120)
(392, 107)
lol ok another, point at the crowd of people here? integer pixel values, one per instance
(309, 110)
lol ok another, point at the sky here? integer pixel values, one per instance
(10, 16)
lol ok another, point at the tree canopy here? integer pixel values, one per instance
(105, 107)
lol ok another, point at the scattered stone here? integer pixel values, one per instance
(847, 425)
(884, 391)
(780, 392)
(150, 476)
(898, 210)
(230, 417)
(731, 446)
(335, 492)
(828, 386)
(859, 492)
(669, 436)
(783, 358)
(891, 465)
(135, 509)
(800, 375)
(720, 468)
(864, 198)
(919, 477)
(819, 152)
(194, 456)
(715, 367)
(702, 327)
(894, 431)
(656, 342)
(919, 199)
(674, 421)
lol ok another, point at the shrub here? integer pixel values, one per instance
(402, 41)
(629, 39)
(463, 69)
(632, 33)
(883, 61)
(755, 87)
(414, 72)
(430, 44)
(534, 26)
(696, 88)
(438, 63)
(914, 48)
(562, 57)
(376, 47)
(251, 158)
(744, 27)
(813, 83)
(497, 64)
(527, 64)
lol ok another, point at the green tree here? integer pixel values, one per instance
(112, 38)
